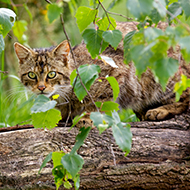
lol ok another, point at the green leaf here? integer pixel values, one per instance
(56, 157)
(93, 40)
(67, 185)
(80, 138)
(76, 119)
(7, 19)
(181, 86)
(140, 8)
(110, 106)
(42, 104)
(185, 47)
(77, 181)
(115, 86)
(72, 163)
(155, 16)
(162, 73)
(85, 16)
(159, 6)
(103, 23)
(46, 160)
(2, 44)
(59, 173)
(6, 1)
(175, 9)
(48, 119)
(101, 121)
(126, 42)
(88, 73)
(19, 28)
(141, 56)
(186, 7)
(116, 117)
(113, 37)
(54, 12)
(152, 33)
(122, 134)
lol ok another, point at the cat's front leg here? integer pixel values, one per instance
(166, 111)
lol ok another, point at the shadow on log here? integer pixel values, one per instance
(159, 159)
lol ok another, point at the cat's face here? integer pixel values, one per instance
(44, 71)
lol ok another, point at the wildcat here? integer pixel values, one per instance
(47, 71)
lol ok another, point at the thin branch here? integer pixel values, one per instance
(4, 72)
(169, 13)
(68, 39)
(128, 18)
(48, 1)
(106, 13)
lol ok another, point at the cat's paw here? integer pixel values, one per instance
(84, 122)
(156, 114)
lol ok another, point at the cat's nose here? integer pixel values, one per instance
(41, 87)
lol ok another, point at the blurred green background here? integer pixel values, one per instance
(36, 31)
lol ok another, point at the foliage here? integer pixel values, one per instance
(146, 47)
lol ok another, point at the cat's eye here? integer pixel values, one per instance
(31, 75)
(51, 74)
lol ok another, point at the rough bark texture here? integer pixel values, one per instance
(159, 159)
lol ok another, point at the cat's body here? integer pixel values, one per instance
(47, 71)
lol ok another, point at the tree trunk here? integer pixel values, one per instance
(159, 159)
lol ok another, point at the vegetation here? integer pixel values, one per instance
(44, 23)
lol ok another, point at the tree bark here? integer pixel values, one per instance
(159, 159)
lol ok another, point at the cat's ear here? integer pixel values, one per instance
(62, 51)
(22, 52)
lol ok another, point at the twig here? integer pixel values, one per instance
(68, 39)
(128, 18)
(4, 72)
(106, 13)
(114, 161)
(48, 1)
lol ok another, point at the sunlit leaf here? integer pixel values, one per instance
(54, 11)
(48, 119)
(181, 86)
(85, 16)
(56, 157)
(7, 19)
(110, 106)
(115, 86)
(19, 28)
(104, 24)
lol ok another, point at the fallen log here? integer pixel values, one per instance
(159, 159)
